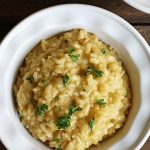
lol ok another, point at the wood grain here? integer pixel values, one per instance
(13, 11)
(146, 145)
(145, 32)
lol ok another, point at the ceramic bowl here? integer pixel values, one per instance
(110, 28)
(142, 5)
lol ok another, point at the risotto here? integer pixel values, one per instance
(72, 91)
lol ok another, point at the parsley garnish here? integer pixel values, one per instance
(92, 70)
(42, 109)
(91, 123)
(57, 140)
(71, 50)
(104, 51)
(73, 57)
(65, 80)
(43, 81)
(64, 122)
(73, 109)
(20, 116)
(30, 79)
(89, 70)
(101, 102)
(98, 74)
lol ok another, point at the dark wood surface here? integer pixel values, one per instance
(13, 11)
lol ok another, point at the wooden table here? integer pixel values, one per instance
(13, 11)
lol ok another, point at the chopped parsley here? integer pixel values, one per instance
(43, 81)
(20, 116)
(91, 123)
(64, 122)
(101, 102)
(73, 57)
(30, 79)
(98, 74)
(94, 72)
(65, 80)
(89, 70)
(71, 50)
(57, 140)
(73, 109)
(103, 51)
(42, 109)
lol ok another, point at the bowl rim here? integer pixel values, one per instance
(112, 15)
(138, 6)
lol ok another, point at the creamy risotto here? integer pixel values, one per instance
(72, 91)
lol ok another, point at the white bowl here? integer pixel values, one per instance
(142, 5)
(131, 47)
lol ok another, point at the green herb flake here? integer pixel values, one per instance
(20, 116)
(43, 81)
(73, 109)
(89, 70)
(98, 74)
(94, 72)
(75, 57)
(30, 79)
(66, 80)
(63, 122)
(71, 50)
(101, 102)
(42, 109)
(57, 140)
(103, 51)
(91, 123)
